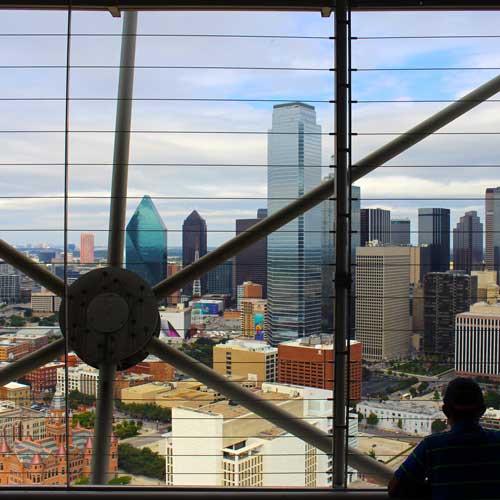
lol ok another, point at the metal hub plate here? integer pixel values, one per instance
(113, 316)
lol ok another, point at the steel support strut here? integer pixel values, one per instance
(107, 370)
(326, 189)
(32, 269)
(104, 425)
(118, 211)
(32, 361)
(342, 241)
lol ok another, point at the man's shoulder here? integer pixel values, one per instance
(442, 439)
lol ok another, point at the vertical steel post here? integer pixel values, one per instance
(118, 208)
(104, 425)
(342, 241)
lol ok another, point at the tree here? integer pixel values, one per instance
(120, 480)
(413, 392)
(127, 429)
(141, 461)
(360, 416)
(148, 411)
(372, 453)
(438, 426)
(82, 480)
(86, 419)
(400, 423)
(17, 321)
(76, 398)
(423, 387)
(372, 419)
(492, 399)
(437, 397)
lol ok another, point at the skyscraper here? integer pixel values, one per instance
(251, 263)
(194, 239)
(468, 243)
(400, 232)
(492, 237)
(375, 224)
(434, 230)
(294, 251)
(146, 245)
(220, 279)
(382, 311)
(87, 248)
(445, 295)
(328, 253)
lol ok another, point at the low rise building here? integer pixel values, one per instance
(409, 417)
(224, 444)
(254, 361)
(20, 394)
(491, 419)
(309, 361)
(158, 369)
(17, 422)
(36, 337)
(10, 350)
(175, 322)
(44, 303)
(44, 378)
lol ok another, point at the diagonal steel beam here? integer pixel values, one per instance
(266, 409)
(326, 189)
(32, 361)
(118, 210)
(30, 268)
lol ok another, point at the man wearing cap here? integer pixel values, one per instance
(463, 463)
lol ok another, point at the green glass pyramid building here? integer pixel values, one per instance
(146, 243)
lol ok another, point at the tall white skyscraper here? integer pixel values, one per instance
(294, 251)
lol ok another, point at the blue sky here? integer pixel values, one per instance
(222, 191)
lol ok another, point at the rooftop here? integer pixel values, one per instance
(419, 408)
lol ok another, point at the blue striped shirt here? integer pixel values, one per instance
(463, 463)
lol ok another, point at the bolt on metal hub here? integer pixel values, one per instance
(113, 316)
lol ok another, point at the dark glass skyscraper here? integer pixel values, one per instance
(251, 263)
(146, 245)
(194, 239)
(220, 279)
(293, 251)
(468, 243)
(375, 224)
(434, 231)
(400, 232)
(445, 295)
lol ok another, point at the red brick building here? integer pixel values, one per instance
(43, 378)
(309, 362)
(44, 461)
(158, 369)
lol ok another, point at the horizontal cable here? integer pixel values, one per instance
(421, 37)
(168, 35)
(167, 99)
(403, 101)
(437, 68)
(95, 66)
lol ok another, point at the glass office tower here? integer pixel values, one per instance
(294, 251)
(434, 231)
(146, 243)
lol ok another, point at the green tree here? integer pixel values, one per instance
(492, 399)
(372, 419)
(141, 461)
(120, 480)
(17, 321)
(413, 392)
(438, 426)
(423, 387)
(201, 350)
(76, 398)
(360, 416)
(86, 419)
(82, 480)
(372, 453)
(400, 423)
(437, 396)
(148, 411)
(127, 429)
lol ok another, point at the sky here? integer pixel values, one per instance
(229, 181)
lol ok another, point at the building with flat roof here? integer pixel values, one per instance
(224, 444)
(44, 303)
(255, 361)
(17, 422)
(20, 394)
(253, 318)
(477, 341)
(410, 417)
(382, 304)
(309, 362)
